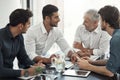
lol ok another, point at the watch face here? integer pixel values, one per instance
(26, 73)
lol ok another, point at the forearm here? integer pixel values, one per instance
(23, 58)
(99, 62)
(70, 54)
(101, 70)
(42, 59)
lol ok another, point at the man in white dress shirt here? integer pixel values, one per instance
(89, 38)
(40, 38)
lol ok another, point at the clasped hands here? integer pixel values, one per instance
(82, 61)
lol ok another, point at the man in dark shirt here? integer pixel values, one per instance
(110, 23)
(12, 45)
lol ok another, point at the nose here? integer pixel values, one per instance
(83, 23)
(58, 19)
(28, 26)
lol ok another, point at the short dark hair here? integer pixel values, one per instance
(110, 14)
(19, 16)
(48, 10)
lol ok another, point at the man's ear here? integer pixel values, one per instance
(104, 23)
(20, 26)
(47, 18)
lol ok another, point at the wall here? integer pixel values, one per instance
(6, 7)
(74, 11)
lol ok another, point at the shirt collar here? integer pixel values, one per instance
(43, 29)
(115, 31)
(97, 30)
(8, 31)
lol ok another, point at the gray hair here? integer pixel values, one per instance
(93, 15)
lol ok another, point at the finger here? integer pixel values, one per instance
(83, 57)
(42, 65)
(73, 59)
(53, 55)
(40, 61)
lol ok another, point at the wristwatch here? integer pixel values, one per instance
(26, 73)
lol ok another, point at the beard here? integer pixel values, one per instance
(53, 25)
(23, 32)
(103, 28)
(89, 28)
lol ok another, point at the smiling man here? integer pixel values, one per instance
(89, 38)
(41, 37)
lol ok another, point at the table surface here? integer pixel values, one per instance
(91, 76)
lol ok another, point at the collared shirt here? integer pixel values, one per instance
(38, 41)
(113, 63)
(97, 40)
(10, 48)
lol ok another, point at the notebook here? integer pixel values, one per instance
(78, 73)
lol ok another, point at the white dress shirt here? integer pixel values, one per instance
(38, 41)
(97, 40)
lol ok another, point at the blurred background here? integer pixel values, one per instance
(71, 12)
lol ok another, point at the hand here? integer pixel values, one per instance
(83, 64)
(31, 71)
(53, 55)
(74, 57)
(87, 58)
(35, 70)
(83, 54)
(87, 51)
(40, 64)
